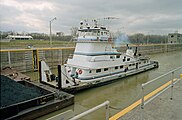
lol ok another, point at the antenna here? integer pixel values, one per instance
(108, 18)
(96, 21)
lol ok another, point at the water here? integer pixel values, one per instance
(123, 92)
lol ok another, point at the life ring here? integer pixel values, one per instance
(79, 71)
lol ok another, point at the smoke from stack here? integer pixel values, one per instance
(122, 39)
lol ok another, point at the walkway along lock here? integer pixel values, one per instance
(145, 99)
(169, 84)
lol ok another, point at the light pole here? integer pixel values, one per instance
(1, 35)
(51, 31)
(148, 39)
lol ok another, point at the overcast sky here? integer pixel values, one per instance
(144, 16)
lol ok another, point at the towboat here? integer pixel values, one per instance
(95, 62)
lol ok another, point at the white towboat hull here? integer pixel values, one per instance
(95, 82)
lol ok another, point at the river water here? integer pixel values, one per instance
(125, 91)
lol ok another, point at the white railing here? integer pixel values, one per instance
(69, 114)
(173, 82)
(106, 104)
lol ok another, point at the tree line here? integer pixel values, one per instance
(137, 38)
(140, 38)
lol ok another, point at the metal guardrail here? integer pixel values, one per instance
(106, 104)
(69, 114)
(172, 83)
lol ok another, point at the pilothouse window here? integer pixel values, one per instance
(116, 67)
(98, 32)
(121, 66)
(98, 70)
(105, 69)
(101, 33)
(118, 56)
(95, 32)
(112, 57)
(124, 59)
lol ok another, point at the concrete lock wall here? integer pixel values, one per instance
(153, 48)
(26, 60)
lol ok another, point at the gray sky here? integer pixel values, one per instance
(144, 16)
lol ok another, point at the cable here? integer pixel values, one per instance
(66, 76)
(117, 108)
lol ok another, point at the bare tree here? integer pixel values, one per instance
(74, 31)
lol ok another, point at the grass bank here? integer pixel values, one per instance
(17, 44)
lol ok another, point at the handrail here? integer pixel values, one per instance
(144, 84)
(172, 82)
(106, 103)
(27, 49)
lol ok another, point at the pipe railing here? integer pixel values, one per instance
(106, 104)
(173, 81)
